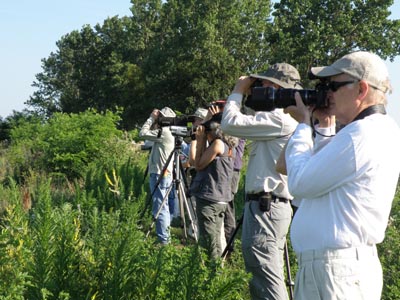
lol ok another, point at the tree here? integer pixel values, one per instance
(315, 32)
(14, 120)
(204, 46)
(186, 53)
(179, 53)
(89, 70)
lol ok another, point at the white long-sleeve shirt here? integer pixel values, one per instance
(347, 187)
(268, 132)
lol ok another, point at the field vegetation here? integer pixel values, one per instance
(73, 225)
(73, 196)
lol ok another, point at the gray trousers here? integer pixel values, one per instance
(210, 216)
(263, 240)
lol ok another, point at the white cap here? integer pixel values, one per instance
(167, 112)
(361, 65)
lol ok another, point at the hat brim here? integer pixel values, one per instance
(272, 79)
(327, 71)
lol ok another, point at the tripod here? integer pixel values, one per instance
(289, 281)
(179, 183)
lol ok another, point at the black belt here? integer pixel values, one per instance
(274, 198)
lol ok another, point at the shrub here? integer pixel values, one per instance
(66, 144)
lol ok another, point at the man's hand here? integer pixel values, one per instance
(155, 113)
(300, 112)
(243, 84)
(200, 133)
(212, 110)
(325, 119)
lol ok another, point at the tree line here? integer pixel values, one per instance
(186, 53)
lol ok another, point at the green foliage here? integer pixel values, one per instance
(186, 53)
(180, 53)
(15, 252)
(202, 48)
(73, 248)
(85, 240)
(66, 144)
(84, 237)
(315, 32)
(388, 254)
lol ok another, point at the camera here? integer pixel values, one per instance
(175, 121)
(181, 131)
(269, 98)
(179, 126)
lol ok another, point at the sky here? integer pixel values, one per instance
(30, 30)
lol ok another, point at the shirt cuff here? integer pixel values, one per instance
(328, 131)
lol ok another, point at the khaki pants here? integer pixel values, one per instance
(339, 274)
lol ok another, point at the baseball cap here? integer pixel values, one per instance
(200, 113)
(167, 112)
(282, 74)
(362, 65)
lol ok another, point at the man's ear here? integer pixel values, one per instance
(363, 89)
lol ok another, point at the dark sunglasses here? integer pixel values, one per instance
(336, 85)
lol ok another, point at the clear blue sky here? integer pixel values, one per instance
(30, 29)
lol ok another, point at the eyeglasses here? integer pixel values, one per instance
(336, 85)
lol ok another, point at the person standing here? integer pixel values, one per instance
(229, 222)
(211, 184)
(267, 212)
(347, 186)
(160, 181)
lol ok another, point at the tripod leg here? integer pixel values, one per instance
(180, 192)
(190, 213)
(289, 281)
(232, 238)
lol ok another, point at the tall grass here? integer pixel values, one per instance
(15, 250)
(84, 241)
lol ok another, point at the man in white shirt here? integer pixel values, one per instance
(159, 181)
(347, 186)
(267, 212)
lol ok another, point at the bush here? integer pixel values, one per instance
(66, 144)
